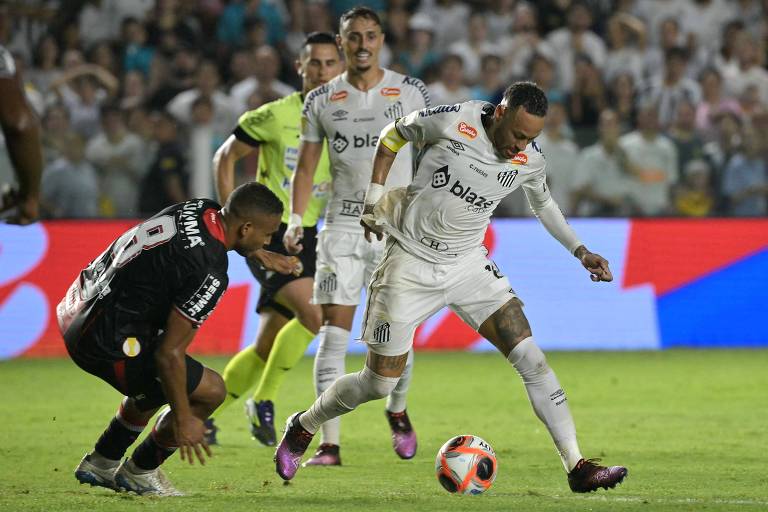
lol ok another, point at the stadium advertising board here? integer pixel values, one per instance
(692, 283)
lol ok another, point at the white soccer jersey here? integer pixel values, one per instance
(442, 215)
(351, 120)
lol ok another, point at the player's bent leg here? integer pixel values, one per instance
(98, 467)
(376, 380)
(508, 329)
(141, 473)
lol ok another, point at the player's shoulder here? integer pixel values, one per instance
(261, 115)
(410, 85)
(201, 232)
(532, 156)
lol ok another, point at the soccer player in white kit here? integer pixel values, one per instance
(475, 155)
(350, 112)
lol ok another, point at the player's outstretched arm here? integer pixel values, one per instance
(172, 369)
(224, 161)
(550, 215)
(301, 189)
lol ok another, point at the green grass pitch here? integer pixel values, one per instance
(690, 425)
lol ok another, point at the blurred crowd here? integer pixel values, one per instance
(657, 106)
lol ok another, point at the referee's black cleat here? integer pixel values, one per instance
(588, 476)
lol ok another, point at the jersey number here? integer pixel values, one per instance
(146, 235)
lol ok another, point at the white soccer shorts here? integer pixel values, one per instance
(345, 262)
(406, 290)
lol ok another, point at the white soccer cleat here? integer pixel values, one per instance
(89, 473)
(151, 483)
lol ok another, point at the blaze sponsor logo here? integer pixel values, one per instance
(505, 178)
(338, 96)
(340, 142)
(477, 203)
(390, 91)
(520, 159)
(440, 177)
(466, 130)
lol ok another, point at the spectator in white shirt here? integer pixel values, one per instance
(576, 39)
(651, 162)
(450, 88)
(207, 85)
(472, 49)
(266, 69)
(120, 160)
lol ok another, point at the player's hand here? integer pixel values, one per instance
(190, 437)
(597, 266)
(368, 224)
(292, 239)
(278, 262)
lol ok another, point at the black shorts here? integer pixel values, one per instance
(135, 377)
(272, 282)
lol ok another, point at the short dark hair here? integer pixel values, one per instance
(360, 11)
(527, 95)
(251, 199)
(317, 38)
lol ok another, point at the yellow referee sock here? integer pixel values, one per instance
(240, 374)
(290, 344)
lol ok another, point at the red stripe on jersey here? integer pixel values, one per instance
(212, 220)
(119, 369)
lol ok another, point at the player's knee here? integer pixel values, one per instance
(211, 391)
(376, 386)
(528, 358)
(333, 343)
(310, 317)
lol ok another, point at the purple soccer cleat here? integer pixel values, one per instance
(292, 446)
(326, 455)
(588, 476)
(403, 435)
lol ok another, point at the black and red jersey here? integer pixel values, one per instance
(176, 259)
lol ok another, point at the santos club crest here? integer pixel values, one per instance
(505, 178)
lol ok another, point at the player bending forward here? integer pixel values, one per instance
(130, 315)
(476, 154)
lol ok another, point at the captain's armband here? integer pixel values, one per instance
(391, 139)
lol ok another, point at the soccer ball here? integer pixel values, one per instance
(466, 465)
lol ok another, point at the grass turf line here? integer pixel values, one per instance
(690, 425)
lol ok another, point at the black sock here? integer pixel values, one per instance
(150, 454)
(116, 439)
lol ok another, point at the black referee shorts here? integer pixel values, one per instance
(272, 282)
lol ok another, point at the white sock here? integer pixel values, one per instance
(345, 395)
(547, 398)
(329, 366)
(396, 399)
